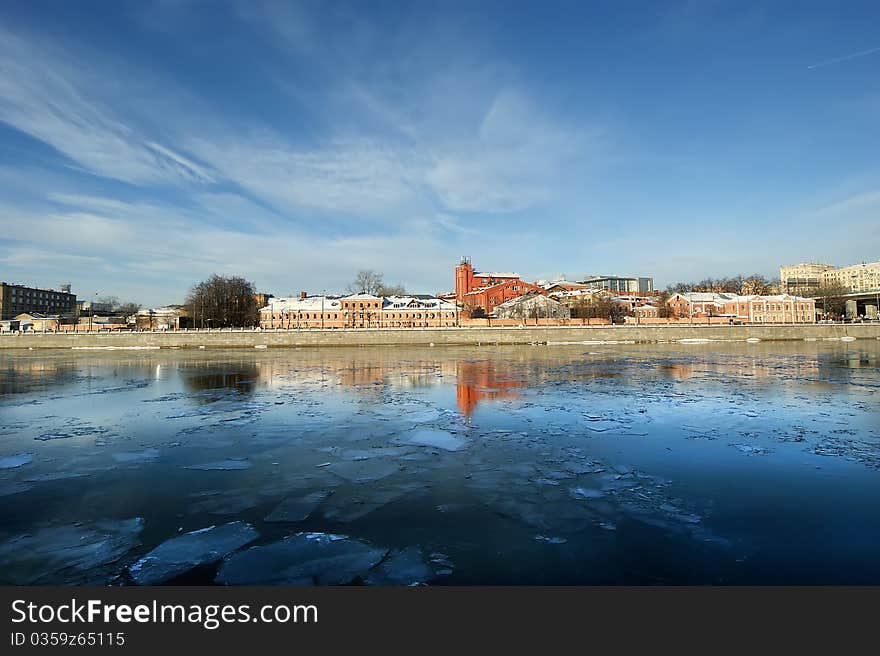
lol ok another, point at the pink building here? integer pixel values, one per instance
(781, 308)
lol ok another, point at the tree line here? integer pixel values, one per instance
(753, 284)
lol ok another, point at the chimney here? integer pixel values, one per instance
(302, 295)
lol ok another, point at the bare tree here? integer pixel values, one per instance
(739, 284)
(368, 281)
(223, 302)
(126, 309)
(392, 290)
(832, 297)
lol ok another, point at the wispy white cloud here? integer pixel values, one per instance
(360, 176)
(514, 161)
(44, 97)
(868, 201)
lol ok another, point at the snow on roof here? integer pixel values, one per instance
(496, 274)
(525, 298)
(307, 304)
(566, 283)
(394, 302)
(711, 297)
(330, 303)
(577, 292)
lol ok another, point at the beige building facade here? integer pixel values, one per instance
(856, 278)
(802, 278)
(809, 276)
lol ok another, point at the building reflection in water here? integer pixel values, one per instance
(480, 381)
(242, 378)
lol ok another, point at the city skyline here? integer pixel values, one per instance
(146, 146)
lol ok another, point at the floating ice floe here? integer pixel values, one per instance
(302, 559)
(13, 462)
(222, 465)
(126, 457)
(438, 439)
(550, 540)
(351, 507)
(364, 471)
(404, 567)
(297, 509)
(68, 555)
(751, 450)
(182, 553)
(586, 493)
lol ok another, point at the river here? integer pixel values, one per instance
(540, 465)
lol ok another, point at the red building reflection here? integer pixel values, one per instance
(479, 381)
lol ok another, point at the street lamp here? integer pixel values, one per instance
(92, 311)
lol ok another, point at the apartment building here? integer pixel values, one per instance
(19, 299)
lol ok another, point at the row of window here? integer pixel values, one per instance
(334, 315)
(19, 293)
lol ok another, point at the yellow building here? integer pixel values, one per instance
(802, 278)
(856, 278)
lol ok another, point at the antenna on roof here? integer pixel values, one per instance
(465, 259)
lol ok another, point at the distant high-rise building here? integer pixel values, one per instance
(620, 284)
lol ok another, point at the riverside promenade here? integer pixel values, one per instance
(254, 338)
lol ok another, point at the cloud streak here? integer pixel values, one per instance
(838, 60)
(42, 97)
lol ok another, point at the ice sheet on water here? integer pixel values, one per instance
(364, 471)
(298, 509)
(311, 558)
(748, 449)
(438, 439)
(599, 426)
(402, 567)
(586, 493)
(550, 539)
(68, 555)
(127, 457)
(348, 507)
(13, 462)
(581, 467)
(376, 452)
(73, 428)
(182, 553)
(230, 464)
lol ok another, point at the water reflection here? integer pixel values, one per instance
(481, 380)
(580, 458)
(243, 379)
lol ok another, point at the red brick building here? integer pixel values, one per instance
(477, 290)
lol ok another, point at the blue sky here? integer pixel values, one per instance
(146, 145)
